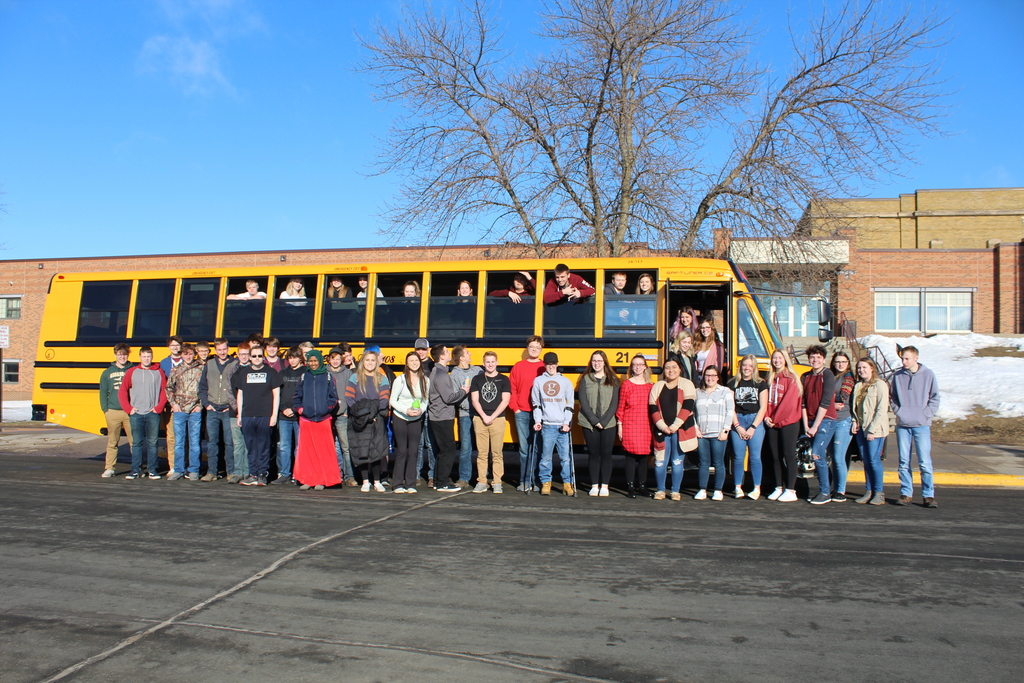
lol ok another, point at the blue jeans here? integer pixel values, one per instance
(740, 448)
(922, 440)
(711, 450)
(341, 447)
(145, 427)
(426, 447)
(553, 438)
(465, 446)
(241, 451)
(218, 430)
(819, 448)
(675, 455)
(187, 425)
(871, 454)
(840, 443)
(287, 440)
(527, 440)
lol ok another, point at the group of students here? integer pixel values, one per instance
(338, 420)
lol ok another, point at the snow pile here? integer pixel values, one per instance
(965, 381)
(17, 411)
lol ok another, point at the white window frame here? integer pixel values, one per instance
(922, 308)
(3, 370)
(19, 297)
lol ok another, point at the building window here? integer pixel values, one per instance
(944, 311)
(948, 311)
(12, 371)
(10, 307)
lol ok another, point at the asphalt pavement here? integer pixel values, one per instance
(110, 580)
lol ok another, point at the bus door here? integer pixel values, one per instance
(712, 299)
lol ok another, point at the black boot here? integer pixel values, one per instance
(630, 490)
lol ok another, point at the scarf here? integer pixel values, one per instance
(322, 368)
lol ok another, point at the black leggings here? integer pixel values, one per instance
(782, 443)
(371, 471)
(599, 445)
(636, 466)
(407, 440)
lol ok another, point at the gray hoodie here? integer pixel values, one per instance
(914, 397)
(444, 396)
(552, 397)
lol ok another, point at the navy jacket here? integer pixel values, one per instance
(316, 395)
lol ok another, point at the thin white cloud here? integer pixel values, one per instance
(194, 65)
(191, 53)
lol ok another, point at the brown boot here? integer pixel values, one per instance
(545, 488)
(567, 489)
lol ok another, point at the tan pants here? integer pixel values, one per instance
(115, 420)
(489, 440)
(167, 422)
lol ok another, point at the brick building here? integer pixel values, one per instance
(932, 261)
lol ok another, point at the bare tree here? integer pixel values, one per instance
(603, 139)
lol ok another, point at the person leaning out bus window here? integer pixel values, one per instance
(523, 284)
(411, 290)
(566, 287)
(296, 291)
(252, 291)
(465, 288)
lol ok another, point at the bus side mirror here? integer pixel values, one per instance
(824, 335)
(824, 313)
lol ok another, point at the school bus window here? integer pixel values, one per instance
(197, 309)
(452, 313)
(509, 305)
(750, 340)
(630, 303)
(103, 313)
(397, 313)
(245, 308)
(344, 315)
(292, 316)
(154, 302)
(569, 308)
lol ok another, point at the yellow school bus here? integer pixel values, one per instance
(87, 313)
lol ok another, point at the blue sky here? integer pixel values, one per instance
(162, 126)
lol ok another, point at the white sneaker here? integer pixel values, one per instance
(701, 495)
(595, 489)
(774, 495)
(379, 487)
(107, 474)
(365, 488)
(717, 495)
(755, 493)
(400, 489)
(788, 497)
(739, 493)
(481, 487)
(604, 491)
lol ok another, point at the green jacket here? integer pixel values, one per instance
(110, 382)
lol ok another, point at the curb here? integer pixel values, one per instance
(950, 479)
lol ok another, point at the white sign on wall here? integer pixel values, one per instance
(5, 336)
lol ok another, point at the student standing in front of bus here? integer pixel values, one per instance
(409, 396)
(870, 411)
(142, 395)
(368, 393)
(316, 464)
(425, 450)
(271, 347)
(671, 406)
(716, 411)
(841, 437)
(522, 376)
(782, 417)
(288, 419)
(187, 413)
(464, 370)
(217, 398)
(819, 401)
(552, 397)
(750, 393)
(341, 366)
(168, 364)
(634, 424)
(110, 404)
(598, 392)
(490, 393)
(444, 396)
(258, 394)
(241, 453)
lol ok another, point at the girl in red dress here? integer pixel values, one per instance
(634, 424)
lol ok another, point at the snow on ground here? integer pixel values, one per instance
(965, 381)
(17, 411)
